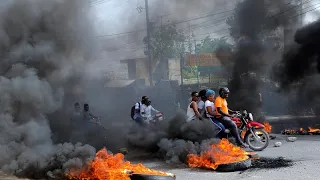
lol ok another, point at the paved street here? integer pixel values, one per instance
(305, 152)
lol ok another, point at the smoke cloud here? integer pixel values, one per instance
(174, 138)
(44, 46)
(255, 29)
(299, 69)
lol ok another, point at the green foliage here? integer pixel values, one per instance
(166, 42)
(189, 72)
(209, 45)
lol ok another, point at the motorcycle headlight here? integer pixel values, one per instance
(250, 117)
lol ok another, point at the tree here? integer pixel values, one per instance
(166, 42)
(209, 45)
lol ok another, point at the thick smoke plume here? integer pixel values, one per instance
(44, 47)
(254, 27)
(300, 67)
(174, 138)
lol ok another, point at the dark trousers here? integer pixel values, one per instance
(226, 122)
(139, 121)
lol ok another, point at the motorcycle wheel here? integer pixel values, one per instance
(264, 135)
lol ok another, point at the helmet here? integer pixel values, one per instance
(144, 100)
(223, 91)
(210, 92)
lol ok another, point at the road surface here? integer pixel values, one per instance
(305, 152)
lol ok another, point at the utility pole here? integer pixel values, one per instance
(197, 61)
(148, 42)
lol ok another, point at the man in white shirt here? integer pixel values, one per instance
(146, 110)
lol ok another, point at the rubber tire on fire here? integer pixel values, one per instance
(150, 177)
(238, 166)
(246, 139)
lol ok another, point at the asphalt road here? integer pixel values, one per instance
(305, 152)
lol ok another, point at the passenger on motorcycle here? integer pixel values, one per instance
(137, 107)
(222, 114)
(146, 110)
(201, 106)
(192, 109)
(210, 110)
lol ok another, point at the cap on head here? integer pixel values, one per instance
(210, 92)
(194, 93)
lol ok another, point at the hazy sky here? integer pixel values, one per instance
(119, 16)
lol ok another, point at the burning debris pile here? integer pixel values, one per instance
(210, 154)
(111, 167)
(302, 131)
(222, 153)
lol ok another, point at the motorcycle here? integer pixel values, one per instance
(157, 118)
(251, 131)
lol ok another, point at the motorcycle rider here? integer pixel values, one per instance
(210, 110)
(192, 109)
(201, 106)
(146, 110)
(137, 107)
(86, 114)
(223, 116)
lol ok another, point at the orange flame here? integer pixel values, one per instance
(314, 130)
(302, 131)
(267, 127)
(111, 167)
(222, 153)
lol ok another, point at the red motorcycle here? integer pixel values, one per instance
(251, 132)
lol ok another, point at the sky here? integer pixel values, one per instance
(120, 16)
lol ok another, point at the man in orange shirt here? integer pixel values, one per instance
(223, 116)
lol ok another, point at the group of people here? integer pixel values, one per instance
(141, 112)
(205, 105)
(84, 115)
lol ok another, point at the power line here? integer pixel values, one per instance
(184, 21)
(270, 17)
(226, 31)
(98, 2)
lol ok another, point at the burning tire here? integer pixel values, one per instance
(263, 139)
(150, 177)
(237, 166)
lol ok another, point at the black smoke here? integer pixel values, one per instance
(254, 27)
(299, 69)
(174, 138)
(44, 49)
